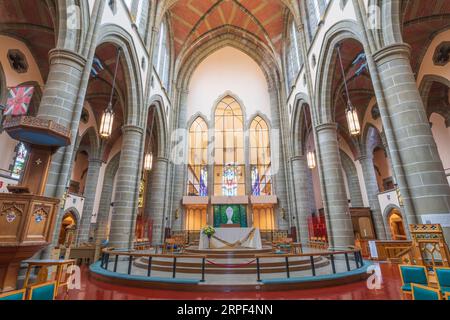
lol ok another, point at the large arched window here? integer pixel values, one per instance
(293, 57)
(161, 58)
(260, 162)
(198, 159)
(229, 162)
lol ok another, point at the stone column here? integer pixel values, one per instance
(156, 198)
(339, 226)
(370, 181)
(417, 165)
(58, 100)
(104, 210)
(278, 158)
(301, 183)
(179, 178)
(89, 199)
(127, 192)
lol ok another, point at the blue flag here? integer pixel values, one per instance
(97, 67)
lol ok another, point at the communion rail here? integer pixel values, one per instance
(331, 255)
(130, 256)
(115, 257)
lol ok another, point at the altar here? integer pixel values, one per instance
(232, 238)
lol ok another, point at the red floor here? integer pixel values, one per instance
(389, 290)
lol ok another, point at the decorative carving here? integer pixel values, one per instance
(34, 123)
(375, 112)
(18, 61)
(85, 116)
(11, 211)
(40, 215)
(442, 54)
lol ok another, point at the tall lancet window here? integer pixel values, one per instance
(198, 159)
(229, 162)
(260, 162)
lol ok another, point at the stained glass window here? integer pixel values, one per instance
(260, 162)
(229, 162)
(20, 161)
(197, 168)
(230, 180)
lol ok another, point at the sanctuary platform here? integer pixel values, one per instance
(237, 269)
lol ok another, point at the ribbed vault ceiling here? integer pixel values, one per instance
(194, 19)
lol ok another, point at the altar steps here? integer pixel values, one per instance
(228, 254)
(232, 266)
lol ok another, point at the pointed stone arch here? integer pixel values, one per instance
(298, 129)
(119, 37)
(342, 30)
(352, 179)
(106, 197)
(161, 125)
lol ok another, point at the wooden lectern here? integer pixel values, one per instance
(27, 217)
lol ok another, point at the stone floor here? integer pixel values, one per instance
(389, 289)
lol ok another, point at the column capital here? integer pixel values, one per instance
(300, 27)
(132, 128)
(326, 126)
(162, 159)
(298, 158)
(394, 51)
(64, 56)
(96, 160)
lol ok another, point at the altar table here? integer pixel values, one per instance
(232, 238)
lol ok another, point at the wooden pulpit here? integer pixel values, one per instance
(27, 217)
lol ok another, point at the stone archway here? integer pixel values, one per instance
(352, 180)
(396, 223)
(69, 226)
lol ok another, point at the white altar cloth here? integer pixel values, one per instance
(232, 238)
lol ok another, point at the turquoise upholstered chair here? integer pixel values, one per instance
(413, 274)
(13, 295)
(420, 292)
(443, 278)
(45, 291)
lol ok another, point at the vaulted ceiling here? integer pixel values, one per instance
(421, 21)
(195, 19)
(32, 22)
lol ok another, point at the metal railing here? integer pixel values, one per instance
(357, 256)
(113, 256)
(131, 256)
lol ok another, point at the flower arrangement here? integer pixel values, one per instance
(209, 231)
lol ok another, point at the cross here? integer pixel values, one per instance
(38, 162)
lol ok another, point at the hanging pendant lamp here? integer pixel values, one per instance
(106, 124)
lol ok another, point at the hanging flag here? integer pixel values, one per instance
(361, 69)
(19, 99)
(97, 67)
(361, 62)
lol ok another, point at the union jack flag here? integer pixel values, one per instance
(19, 99)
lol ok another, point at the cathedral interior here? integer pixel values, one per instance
(283, 148)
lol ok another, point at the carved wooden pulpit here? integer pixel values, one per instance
(27, 217)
